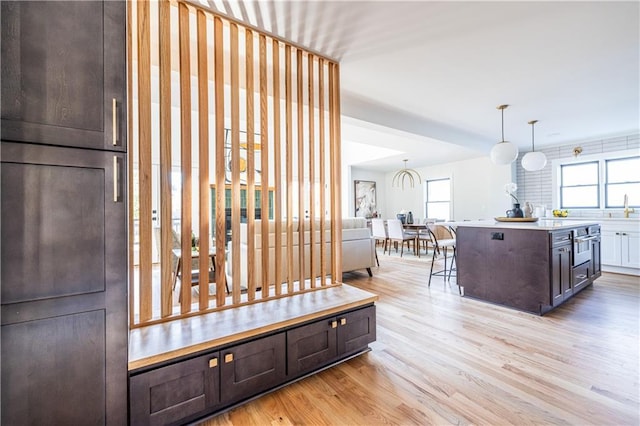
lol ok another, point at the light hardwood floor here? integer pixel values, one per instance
(442, 359)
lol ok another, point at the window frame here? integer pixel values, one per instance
(597, 185)
(426, 196)
(601, 158)
(607, 184)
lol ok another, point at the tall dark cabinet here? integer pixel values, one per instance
(63, 210)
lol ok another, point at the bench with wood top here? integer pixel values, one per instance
(195, 367)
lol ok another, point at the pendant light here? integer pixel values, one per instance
(405, 173)
(503, 152)
(533, 161)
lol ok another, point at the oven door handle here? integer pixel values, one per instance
(584, 240)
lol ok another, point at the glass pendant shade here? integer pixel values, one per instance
(503, 152)
(533, 161)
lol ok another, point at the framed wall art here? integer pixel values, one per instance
(365, 198)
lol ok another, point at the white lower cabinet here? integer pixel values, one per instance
(621, 246)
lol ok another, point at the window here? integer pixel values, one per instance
(438, 199)
(622, 178)
(579, 185)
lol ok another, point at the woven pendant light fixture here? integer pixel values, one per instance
(405, 174)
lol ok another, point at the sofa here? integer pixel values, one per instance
(358, 249)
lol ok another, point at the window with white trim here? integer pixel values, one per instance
(579, 185)
(599, 181)
(622, 178)
(438, 199)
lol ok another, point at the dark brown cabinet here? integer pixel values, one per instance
(64, 328)
(177, 392)
(596, 262)
(186, 390)
(526, 268)
(64, 272)
(253, 367)
(63, 73)
(315, 345)
(561, 287)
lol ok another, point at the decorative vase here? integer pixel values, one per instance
(517, 211)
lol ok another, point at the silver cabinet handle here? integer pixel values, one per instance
(114, 113)
(581, 276)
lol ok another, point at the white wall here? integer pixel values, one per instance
(348, 188)
(477, 187)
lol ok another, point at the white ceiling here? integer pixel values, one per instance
(424, 78)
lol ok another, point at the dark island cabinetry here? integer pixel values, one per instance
(533, 268)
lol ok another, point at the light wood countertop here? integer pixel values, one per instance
(161, 342)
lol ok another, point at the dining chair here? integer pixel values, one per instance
(443, 239)
(398, 235)
(379, 233)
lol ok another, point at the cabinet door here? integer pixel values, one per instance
(630, 253)
(311, 346)
(253, 367)
(596, 269)
(64, 286)
(356, 330)
(560, 274)
(176, 393)
(610, 248)
(63, 65)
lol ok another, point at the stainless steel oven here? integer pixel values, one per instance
(582, 245)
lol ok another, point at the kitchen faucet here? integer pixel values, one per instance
(627, 210)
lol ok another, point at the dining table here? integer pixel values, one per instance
(418, 229)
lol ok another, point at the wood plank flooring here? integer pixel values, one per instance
(442, 359)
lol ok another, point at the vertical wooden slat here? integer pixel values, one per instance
(312, 172)
(144, 167)
(220, 166)
(264, 157)
(318, 150)
(185, 156)
(321, 155)
(289, 163)
(132, 291)
(277, 143)
(166, 239)
(300, 149)
(203, 153)
(336, 217)
(235, 165)
(251, 167)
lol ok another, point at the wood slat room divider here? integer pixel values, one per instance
(218, 107)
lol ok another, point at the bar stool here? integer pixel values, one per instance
(443, 239)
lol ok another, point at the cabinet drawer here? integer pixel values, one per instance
(253, 367)
(311, 346)
(560, 238)
(580, 276)
(356, 330)
(176, 392)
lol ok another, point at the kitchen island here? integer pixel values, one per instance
(530, 266)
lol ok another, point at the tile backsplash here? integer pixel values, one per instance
(537, 187)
